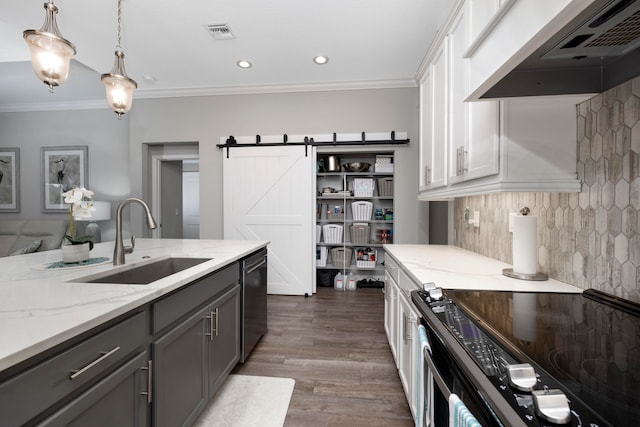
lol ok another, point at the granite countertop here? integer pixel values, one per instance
(42, 308)
(451, 267)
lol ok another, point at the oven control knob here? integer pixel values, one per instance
(436, 294)
(522, 376)
(427, 286)
(552, 405)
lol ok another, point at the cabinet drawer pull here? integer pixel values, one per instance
(215, 313)
(149, 369)
(213, 324)
(404, 327)
(77, 373)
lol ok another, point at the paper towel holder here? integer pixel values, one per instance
(539, 276)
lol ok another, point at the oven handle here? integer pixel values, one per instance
(436, 375)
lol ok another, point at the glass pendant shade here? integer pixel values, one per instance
(119, 87)
(50, 52)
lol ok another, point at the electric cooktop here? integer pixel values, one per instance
(588, 342)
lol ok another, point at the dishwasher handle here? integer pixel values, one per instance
(248, 269)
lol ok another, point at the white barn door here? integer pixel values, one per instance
(269, 194)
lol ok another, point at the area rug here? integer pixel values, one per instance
(245, 400)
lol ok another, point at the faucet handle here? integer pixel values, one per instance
(129, 249)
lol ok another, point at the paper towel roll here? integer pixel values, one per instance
(525, 244)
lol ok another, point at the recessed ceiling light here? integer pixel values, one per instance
(320, 59)
(244, 64)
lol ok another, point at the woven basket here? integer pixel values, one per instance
(385, 187)
(341, 257)
(360, 234)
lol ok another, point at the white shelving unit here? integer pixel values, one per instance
(337, 209)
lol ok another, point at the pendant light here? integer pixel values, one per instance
(50, 52)
(118, 85)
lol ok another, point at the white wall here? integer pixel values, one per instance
(206, 119)
(117, 167)
(107, 140)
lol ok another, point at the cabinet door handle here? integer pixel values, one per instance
(149, 369)
(76, 373)
(213, 324)
(215, 313)
(427, 174)
(404, 327)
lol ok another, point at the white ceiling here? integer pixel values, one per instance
(169, 52)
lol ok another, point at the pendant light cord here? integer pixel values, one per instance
(119, 46)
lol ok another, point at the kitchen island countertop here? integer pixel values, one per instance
(451, 267)
(41, 308)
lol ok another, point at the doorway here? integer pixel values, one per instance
(175, 191)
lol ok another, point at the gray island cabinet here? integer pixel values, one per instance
(195, 355)
(157, 364)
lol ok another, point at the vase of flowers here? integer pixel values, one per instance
(76, 248)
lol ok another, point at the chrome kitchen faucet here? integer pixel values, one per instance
(119, 250)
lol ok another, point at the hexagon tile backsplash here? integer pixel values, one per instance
(588, 239)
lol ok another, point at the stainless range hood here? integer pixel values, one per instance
(596, 51)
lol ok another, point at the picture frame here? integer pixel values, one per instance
(9, 180)
(63, 168)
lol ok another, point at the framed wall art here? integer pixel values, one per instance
(63, 168)
(9, 180)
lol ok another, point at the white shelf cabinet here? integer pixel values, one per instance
(327, 205)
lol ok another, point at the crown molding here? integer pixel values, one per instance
(212, 91)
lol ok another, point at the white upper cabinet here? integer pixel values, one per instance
(433, 123)
(473, 127)
(479, 147)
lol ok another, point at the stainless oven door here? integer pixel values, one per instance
(448, 378)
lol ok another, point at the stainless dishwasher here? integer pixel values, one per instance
(254, 301)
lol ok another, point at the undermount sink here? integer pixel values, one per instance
(145, 273)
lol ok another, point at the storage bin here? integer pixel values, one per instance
(365, 257)
(361, 211)
(363, 187)
(332, 233)
(318, 233)
(383, 168)
(385, 187)
(341, 257)
(321, 256)
(360, 233)
(335, 212)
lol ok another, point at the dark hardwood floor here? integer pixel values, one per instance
(334, 345)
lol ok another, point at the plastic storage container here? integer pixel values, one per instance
(385, 187)
(366, 257)
(360, 234)
(332, 233)
(321, 256)
(335, 212)
(341, 257)
(363, 187)
(361, 211)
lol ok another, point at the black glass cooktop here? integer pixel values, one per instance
(590, 346)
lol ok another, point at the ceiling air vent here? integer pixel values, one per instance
(220, 31)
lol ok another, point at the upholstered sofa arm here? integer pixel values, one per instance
(16, 235)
